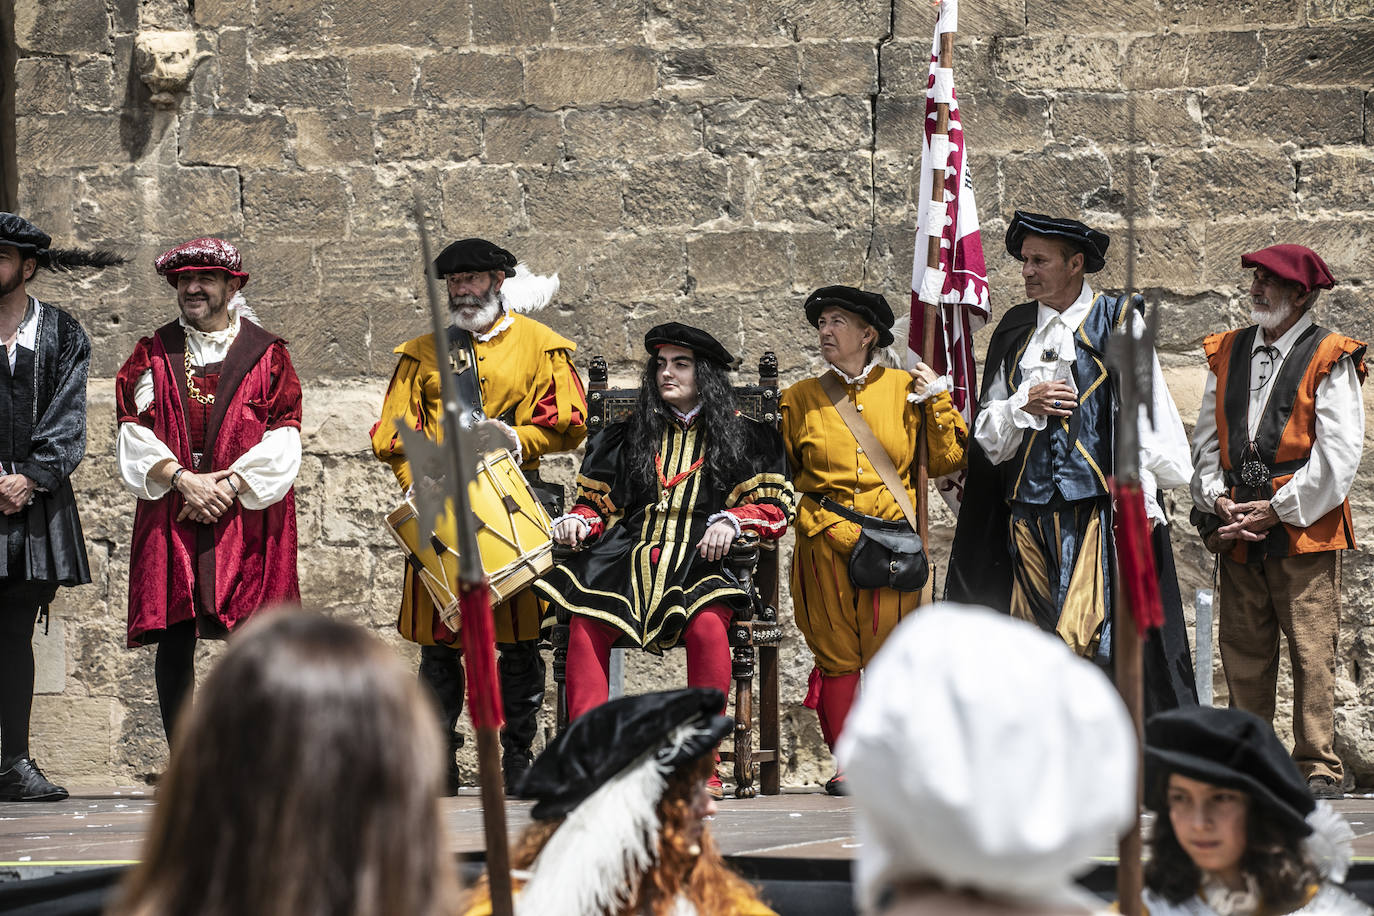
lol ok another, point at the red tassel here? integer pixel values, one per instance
(479, 654)
(813, 690)
(1135, 557)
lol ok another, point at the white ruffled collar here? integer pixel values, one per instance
(1227, 902)
(506, 320)
(857, 379)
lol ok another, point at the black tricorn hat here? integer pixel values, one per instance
(1085, 238)
(676, 727)
(1225, 747)
(871, 307)
(702, 344)
(473, 255)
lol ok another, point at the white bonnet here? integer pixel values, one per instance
(983, 754)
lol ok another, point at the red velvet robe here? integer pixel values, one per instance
(219, 574)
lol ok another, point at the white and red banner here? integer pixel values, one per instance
(958, 287)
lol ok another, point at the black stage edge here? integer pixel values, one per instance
(791, 886)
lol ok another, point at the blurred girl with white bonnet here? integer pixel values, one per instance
(988, 763)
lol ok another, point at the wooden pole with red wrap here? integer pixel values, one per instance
(443, 474)
(1138, 605)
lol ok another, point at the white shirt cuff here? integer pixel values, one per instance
(725, 517)
(586, 522)
(943, 383)
(1016, 404)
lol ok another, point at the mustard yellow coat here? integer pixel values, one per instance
(527, 369)
(843, 626)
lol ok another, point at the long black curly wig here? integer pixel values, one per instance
(1273, 856)
(719, 417)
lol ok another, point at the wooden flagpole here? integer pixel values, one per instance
(937, 196)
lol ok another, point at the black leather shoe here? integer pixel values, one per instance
(1324, 787)
(24, 781)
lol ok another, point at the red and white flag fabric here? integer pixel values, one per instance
(958, 287)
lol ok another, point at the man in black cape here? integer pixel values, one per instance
(1034, 536)
(42, 440)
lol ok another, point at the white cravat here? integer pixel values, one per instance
(1050, 354)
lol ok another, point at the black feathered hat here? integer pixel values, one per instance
(473, 255)
(702, 344)
(17, 232)
(1081, 236)
(672, 729)
(1225, 747)
(606, 776)
(871, 307)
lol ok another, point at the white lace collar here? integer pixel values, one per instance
(1227, 902)
(505, 321)
(857, 379)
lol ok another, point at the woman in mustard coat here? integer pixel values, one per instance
(843, 625)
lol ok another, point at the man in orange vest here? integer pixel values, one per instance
(1275, 450)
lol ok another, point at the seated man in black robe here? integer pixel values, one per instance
(661, 497)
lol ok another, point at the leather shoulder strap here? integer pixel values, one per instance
(877, 455)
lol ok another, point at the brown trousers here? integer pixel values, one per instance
(1300, 595)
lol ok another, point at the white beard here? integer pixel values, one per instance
(476, 319)
(1268, 319)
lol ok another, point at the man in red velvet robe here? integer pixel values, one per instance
(209, 441)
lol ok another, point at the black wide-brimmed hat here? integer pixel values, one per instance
(871, 307)
(702, 344)
(473, 255)
(17, 232)
(1225, 747)
(1085, 238)
(673, 728)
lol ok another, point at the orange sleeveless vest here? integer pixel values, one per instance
(1286, 431)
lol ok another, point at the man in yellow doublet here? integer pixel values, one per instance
(531, 391)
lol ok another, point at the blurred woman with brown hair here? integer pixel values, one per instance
(619, 816)
(304, 782)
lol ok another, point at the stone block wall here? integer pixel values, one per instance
(709, 162)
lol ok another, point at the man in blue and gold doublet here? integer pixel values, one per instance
(1045, 438)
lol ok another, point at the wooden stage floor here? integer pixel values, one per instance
(98, 827)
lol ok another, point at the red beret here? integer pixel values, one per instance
(1294, 263)
(201, 254)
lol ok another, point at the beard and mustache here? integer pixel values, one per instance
(1269, 314)
(475, 314)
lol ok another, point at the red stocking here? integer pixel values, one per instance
(837, 696)
(708, 648)
(589, 664)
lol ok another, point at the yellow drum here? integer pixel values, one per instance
(513, 537)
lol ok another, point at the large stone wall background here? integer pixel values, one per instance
(709, 162)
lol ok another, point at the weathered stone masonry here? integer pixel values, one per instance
(711, 162)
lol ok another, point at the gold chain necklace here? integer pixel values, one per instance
(191, 388)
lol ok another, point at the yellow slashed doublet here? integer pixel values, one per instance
(529, 383)
(843, 626)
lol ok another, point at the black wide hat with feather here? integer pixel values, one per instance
(17, 232)
(670, 729)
